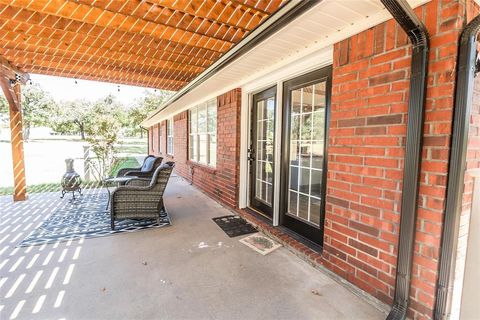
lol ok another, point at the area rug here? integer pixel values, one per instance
(234, 226)
(85, 217)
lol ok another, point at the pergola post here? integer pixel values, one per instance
(10, 80)
(16, 129)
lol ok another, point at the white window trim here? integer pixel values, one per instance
(170, 121)
(159, 137)
(208, 134)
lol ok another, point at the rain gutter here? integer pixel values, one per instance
(466, 68)
(417, 32)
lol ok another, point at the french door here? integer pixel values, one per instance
(261, 151)
(304, 153)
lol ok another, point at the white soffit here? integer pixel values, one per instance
(322, 26)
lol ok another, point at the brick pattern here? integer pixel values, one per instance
(366, 154)
(221, 182)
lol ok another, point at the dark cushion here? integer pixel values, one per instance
(168, 164)
(148, 164)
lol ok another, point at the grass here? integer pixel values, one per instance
(49, 187)
(126, 162)
(132, 149)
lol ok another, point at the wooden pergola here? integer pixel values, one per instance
(160, 44)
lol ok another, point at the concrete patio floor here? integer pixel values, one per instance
(192, 271)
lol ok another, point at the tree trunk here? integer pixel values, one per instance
(141, 133)
(82, 131)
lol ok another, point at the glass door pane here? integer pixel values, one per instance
(262, 151)
(306, 156)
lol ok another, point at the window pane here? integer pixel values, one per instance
(170, 145)
(303, 206)
(193, 120)
(292, 203)
(193, 147)
(213, 149)
(212, 117)
(203, 148)
(319, 98)
(307, 99)
(307, 141)
(202, 118)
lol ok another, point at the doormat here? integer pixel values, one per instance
(234, 226)
(86, 217)
(260, 243)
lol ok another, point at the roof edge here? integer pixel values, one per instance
(283, 16)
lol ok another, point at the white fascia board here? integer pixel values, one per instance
(203, 92)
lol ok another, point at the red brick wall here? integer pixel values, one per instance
(153, 140)
(366, 154)
(221, 182)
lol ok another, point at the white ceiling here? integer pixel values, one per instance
(325, 24)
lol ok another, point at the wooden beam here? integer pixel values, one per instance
(15, 50)
(16, 128)
(214, 11)
(52, 60)
(246, 5)
(118, 78)
(8, 91)
(103, 69)
(164, 16)
(72, 32)
(11, 72)
(73, 10)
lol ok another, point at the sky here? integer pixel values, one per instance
(66, 89)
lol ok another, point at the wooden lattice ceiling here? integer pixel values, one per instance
(154, 43)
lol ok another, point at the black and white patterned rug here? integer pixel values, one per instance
(85, 217)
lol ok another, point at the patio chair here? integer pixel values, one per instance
(150, 164)
(141, 198)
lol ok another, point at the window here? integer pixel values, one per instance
(170, 136)
(202, 121)
(159, 138)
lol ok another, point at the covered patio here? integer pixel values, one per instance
(189, 270)
(154, 44)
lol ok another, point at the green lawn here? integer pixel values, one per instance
(124, 162)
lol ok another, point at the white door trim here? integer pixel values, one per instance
(309, 63)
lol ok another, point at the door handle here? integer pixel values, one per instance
(250, 154)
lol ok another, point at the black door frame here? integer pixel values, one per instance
(302, 228)
(259, 206)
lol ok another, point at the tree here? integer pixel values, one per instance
(4, 108)
(37, 108)
(73, 117)
(102, 135)
(143, 107)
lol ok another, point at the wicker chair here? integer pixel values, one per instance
(150, 164)
(141, 198)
